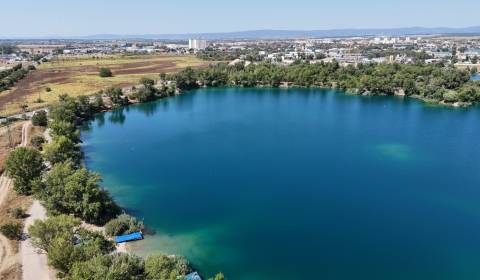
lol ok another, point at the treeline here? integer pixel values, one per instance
(71, 193)
(429, 81)
(9, 77)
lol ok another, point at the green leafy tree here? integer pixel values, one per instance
(24, 165)
(62, 149)
(105, 72)
(109, 267)
(71, 190)
(40, 118)
(166, 267)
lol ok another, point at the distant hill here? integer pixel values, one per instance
(282, 34)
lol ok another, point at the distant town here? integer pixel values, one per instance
(463, 51)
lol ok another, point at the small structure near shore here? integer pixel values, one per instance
(193, 276)
(129, 237)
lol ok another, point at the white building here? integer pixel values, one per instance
(197, 44)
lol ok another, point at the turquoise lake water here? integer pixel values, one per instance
(299, 183)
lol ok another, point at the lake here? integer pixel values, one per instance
(298, 183)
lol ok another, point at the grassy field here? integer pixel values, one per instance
(79, 76)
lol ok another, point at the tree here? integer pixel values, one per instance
(66, 243)
(166, 267)
(116, 96)
(76, 191)
(40, 118)
(43, 232)
(62, 149)
(105, 72)
(109, 267)
(24, 165)
(64, 128)
(37, 142)
(123, 224)
(12, 231)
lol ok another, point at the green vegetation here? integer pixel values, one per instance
(24, 165)
(66, 243)
(40, 118)
(218, 276)
(37, 142)
(71, 190)
(166, 267)
(429, 81)
(105, 72)
(12, 231)
(109, 267)
(123, 224)
(62, 149)
(9, 77)
(17, 213)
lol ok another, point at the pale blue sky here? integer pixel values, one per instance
(86, 17)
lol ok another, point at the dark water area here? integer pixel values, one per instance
(298, 183)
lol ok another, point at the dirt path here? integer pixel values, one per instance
(7, 254)
(34, 262)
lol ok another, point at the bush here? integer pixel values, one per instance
(105, 72)
(40, 118)
(166, 267)
(116, 266)
(12, 231)
(17, 213)
(48, 89)
(37, 142)
(123, 224)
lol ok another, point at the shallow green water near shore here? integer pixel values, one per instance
(298, 183)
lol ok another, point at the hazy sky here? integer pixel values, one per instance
(87, 17)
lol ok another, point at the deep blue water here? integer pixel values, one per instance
(476, 77)
(299, 183)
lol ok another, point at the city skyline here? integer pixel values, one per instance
(57, 18)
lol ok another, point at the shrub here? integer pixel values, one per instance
(48, 89)
(115, 266)
(105, 72)
(12, 231)
(17, 213)
(166, 267)
(37, 142)
(39, 118)
(123, 224)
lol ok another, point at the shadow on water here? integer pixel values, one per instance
(117, 116)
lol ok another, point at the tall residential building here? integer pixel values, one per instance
(197, 44)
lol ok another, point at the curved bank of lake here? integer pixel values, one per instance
(298, 183)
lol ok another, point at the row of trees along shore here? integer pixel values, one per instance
(72, 194)
(431, 82)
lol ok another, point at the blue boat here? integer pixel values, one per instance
(129, 237)
(193, 276)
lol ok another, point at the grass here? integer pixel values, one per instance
(79, 76)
